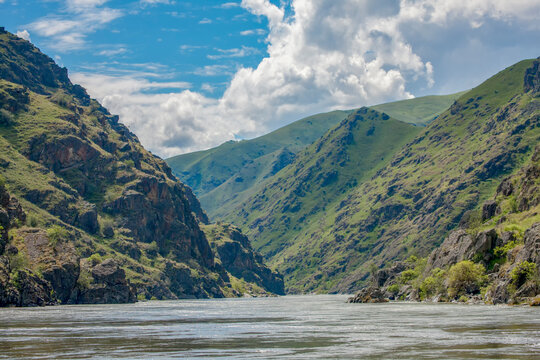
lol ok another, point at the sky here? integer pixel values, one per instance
(189, 75)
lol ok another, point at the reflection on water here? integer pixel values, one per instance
(287, 327)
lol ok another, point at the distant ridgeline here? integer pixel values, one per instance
(87, 215)
(365, 188)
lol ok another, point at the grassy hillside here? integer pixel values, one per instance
(91, 191)
(404, 207)
(205, 170)
(420, 111)
(224, 176)
(303, 192)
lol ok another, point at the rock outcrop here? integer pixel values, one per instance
(107, 221)
(369, 295)
(235, 253)
(108, 286)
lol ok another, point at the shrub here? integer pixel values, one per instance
(523, 272)
(433, 284)
(502, 251)
(6, 118)
(32, 220)
(407, 276)
(62, 99)
(517, 230)
(18, 261)
(393, 289)
(2, 181)
(95, 259)
(474, 222)
(55, 234)
(85, 279)
(465, 277)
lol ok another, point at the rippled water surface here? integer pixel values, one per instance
(296, 327)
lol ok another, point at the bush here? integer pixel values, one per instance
(433, 284)
(85, 279)
(393, 289)
(517, 230)
(502, 251)
(95, 259)
(2, 181)
(6, 118)
(523, 272)
(465, 277)
(62, 99)
(18, 262)
(56, 234)
(407, 276)
(32, 220)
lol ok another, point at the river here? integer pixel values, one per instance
(289, 327)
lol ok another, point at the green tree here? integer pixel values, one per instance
(465, 278)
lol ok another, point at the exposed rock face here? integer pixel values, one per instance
(238, 258)
(59, 262)
(489, 209)
(369, 295)
(532, 78)
(109, 286)
(98, 192)
(387, 275)
(460, 245)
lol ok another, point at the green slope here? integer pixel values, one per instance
(420, 111)
(224, 176)
(205, 170)
(406, 206)
(76, 169)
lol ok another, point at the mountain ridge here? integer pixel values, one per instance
(409, 205)
(106, 221)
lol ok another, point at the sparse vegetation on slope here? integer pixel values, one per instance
(408, 205)
(225, 176)
(100, 208)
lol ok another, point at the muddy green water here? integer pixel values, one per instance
(293, 327)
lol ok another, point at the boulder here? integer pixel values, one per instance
(369, 295)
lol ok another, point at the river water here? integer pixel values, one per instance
(290, 327)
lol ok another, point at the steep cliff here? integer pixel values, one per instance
(106, 220)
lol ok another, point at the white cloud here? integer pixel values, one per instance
(154, 2)
(229, 5)
(208, 88)
(68, 31)
(24, 34)
(113, 52)
(328, 54)
(213, 70)
(205, 21)
(253, 32)
(234, 53)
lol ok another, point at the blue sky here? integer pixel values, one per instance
(201, 43)
(189, 75)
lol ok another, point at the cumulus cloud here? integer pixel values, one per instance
(24, 34)
(68, 30)
(327, 54)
